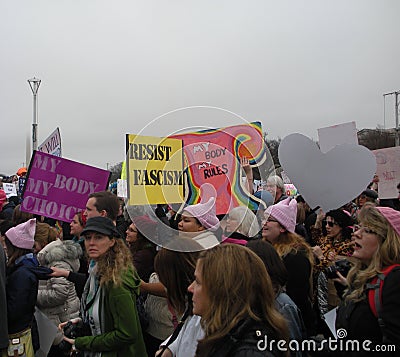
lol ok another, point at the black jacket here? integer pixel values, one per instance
(7, 211)
(361, 324)
(249, 338)
(22, 287)
(298, 286)
(3, 300)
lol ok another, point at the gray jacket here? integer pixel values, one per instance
(57, 297)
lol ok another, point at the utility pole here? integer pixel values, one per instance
(34, 83)
(396, 114)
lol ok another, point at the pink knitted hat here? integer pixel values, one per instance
(205, 213)
(22, 236)
(285, 213)
(392, 216)
(3, 198)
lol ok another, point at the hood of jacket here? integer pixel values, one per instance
(29, 261)
(66, 251)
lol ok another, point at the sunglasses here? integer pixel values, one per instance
(329, 223)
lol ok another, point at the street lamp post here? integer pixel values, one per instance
(396, 114)
(34, 83)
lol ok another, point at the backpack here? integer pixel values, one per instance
(375, 288)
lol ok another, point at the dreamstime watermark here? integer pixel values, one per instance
(331, 344)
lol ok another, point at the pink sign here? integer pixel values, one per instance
(57, 187)
(213, 166)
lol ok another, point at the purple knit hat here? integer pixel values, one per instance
(205, 213)
(285, 213)
(392, 216)
(22, 236)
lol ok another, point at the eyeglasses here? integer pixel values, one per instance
(330, 223)
(231, 218)
(362, 229)
(269, 219)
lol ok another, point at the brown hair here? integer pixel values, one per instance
(175, 270)
(107, 201)
(14, 252)
(44, 234)
(20, 216)
(238, 286)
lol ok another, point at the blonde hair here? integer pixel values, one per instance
(248, 225)
(288, 242)
(388, 252)
(238, 286)
(114, 263)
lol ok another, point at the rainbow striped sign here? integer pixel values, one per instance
(212, 163)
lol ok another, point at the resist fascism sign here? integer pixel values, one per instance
(154, 169)
(57, 187)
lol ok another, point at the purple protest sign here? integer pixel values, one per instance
(57, 188)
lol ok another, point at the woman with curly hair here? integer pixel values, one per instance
(233, 294)
(108, 304)
(279, 229)
(371, 309)
(331, 237)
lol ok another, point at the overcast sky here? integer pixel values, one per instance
(111, 67)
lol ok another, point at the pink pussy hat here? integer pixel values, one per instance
(22, 236)
(285, 213)
(3, 198)
(392, 216)
(205, 213)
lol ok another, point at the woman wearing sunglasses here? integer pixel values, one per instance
(371, 308)
(331, 235)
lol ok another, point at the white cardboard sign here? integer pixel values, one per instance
(52, 144)
(331, 136)
(10, 189)
(388, 170)
(326, 180)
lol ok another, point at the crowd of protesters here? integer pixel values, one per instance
(215, 286)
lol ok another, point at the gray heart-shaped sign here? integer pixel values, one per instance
(327, 180)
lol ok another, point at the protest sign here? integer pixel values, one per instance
(21, 185)
(213, 164)
(52, 144)
(47, 332)
(331, 136)
(388, 171)
(154, 168)
(10, 189)
(122, 190)
(326, 180)
(290, 189)
(57, 187)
